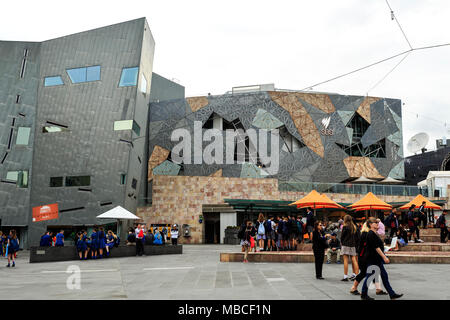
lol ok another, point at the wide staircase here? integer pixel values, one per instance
(430, 251)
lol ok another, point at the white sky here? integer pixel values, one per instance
(211, 46)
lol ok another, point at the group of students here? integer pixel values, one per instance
(9, 245)
(139, 236)
(98, 245)
(365, 247)
(49, 240)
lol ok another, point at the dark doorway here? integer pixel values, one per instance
(212, 232)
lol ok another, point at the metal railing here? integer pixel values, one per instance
(354, 188)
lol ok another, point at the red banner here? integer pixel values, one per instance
(47, 212)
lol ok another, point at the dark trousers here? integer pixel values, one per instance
(319, 257)
(174, 241)
(139, 247)
(362, 270)
(384, 279)
(417, 232)
(424, 220)
(393, 232)
(444, 234)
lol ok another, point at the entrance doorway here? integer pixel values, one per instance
(212, 228)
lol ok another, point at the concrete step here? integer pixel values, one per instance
(430, 238)
(430, 231)
(438, 257)
(426, 247)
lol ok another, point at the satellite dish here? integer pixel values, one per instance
(418, 142)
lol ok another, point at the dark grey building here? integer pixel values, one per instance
(418, 166)
(74, 115)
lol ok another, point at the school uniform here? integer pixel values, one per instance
(101, 240)
(59, 240)
(110, 244)
(319, 245)
(81, 244)
(94, 241)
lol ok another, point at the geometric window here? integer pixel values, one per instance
(127, 125)
(56, 181)
(23, 136)
(86, 74)
(123, 178)
(78, 181)
(359, 127)
(143, 87)
(290, 143)
(129, 77)
(53, 81)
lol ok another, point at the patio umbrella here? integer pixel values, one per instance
(118, 213)
(390, 180)
(316, 201)
(370, 202)
(418, 202)
(363, 179)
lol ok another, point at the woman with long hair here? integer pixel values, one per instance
(248, 232)
(261, 236)
(319, 245)
(81, 245)
(12, 247)
(110, 241)
(349, 241)
(101, 242)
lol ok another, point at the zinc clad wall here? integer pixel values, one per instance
(90, 147)
(14, 201)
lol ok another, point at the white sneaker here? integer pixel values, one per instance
(420, 240)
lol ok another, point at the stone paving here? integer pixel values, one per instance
(197, 274)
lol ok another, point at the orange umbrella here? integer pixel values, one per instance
(418, 202)
(370, 202)
(316, 201)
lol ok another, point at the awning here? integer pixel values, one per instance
(370, 202)
(118, 213)
(418, 202)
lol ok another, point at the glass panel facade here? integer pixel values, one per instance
(56, 181)
(23, 136)
(86, 74)
(143, 87)
(12, 175)
(129, 77)
(78, 181)
(136, 128)
(53, 81)
(21, 177)
(123, 125)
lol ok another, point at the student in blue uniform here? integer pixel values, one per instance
(94, 243)
(82, 246)
(88, 244)
(46, 240)
(12, 247)
(60, 239)
(110, 241)
(101, 242)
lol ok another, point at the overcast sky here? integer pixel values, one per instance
(211, 46)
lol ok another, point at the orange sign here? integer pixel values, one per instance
(47, 212)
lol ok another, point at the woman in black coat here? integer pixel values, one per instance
(319, 241)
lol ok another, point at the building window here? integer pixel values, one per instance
(127, 125)
(78, 181)
(129, 77)
(123, 178)
(20, 177)
(134, 183)
(56, 181)
(23, 136)
(87, 74)
(53, 81)
(143, 87)
(54, 127)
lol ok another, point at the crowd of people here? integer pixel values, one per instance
(9, 245)
(361, 244)
(140, 236)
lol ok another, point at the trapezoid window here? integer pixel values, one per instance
(129, 77)
(290, 143)
(53, 81)
(56, 181)
(54, 127)
(85, 74)
(127, 125)
(78, 181)
(23, 136)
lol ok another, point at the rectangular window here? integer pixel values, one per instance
(143, 87)
(54, 127)
(56, 181)
(23, 136)
(78, 181)
(123, 178)
(136, 128)
(134, 183)
(127, 125)
(86, 74)
(53, 81)
(129, 77)
(18, 98)
(20, 177)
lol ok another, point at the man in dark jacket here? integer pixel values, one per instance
(393, 223)
(310, 219)
(334, 249)
(423, 219)
(441, 223)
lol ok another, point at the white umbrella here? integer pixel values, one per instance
(390, 180)
(118, 213)
(363, 179)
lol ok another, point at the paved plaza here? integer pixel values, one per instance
(198, 274)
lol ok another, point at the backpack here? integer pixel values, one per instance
(117, 242)
(261, 229)
(14, 244)
(268, 226)
(141, 234)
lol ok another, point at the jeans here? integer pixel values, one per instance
(384, 279)
(337, 252)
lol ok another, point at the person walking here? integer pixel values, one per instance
(376, 257)
(413, 222)
(349, 240)
(441, 224)
(174, 235)
(12, 247)
(423, 219)
(261, 236)
(319, 244)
